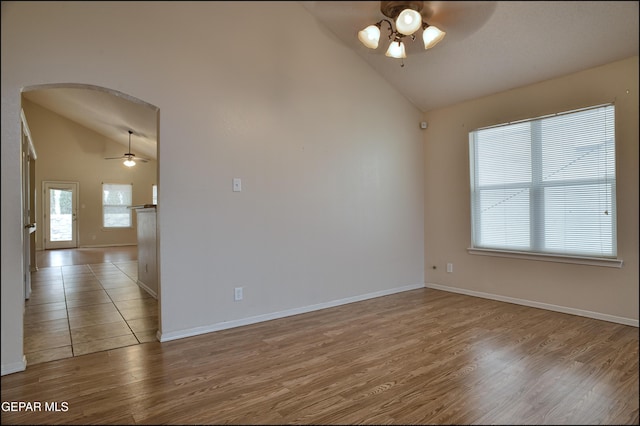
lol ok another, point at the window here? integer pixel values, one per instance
(116, 200)
(154, 194)
(546, 185)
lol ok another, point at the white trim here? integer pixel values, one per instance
(97, 246)
(14, 367)
(148, 290)
(545, 257)
(107, 245)
(27, 132)
(564, 309)
(180, 334)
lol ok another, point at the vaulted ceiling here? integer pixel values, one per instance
(490, 46)
(107, 113)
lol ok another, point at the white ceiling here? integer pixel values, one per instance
(490, 46)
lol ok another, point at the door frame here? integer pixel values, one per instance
(28, 155)
(36, 189)
(74, 187)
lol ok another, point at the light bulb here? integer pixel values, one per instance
(409, 21)
(370, 36)
(396, 50)
(129, 162)
(432, 36)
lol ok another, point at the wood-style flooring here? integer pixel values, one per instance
(86, 300)
(418, 357)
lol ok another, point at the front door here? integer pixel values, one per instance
(60, 215)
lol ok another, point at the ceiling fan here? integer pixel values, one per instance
(459, 19)
(129, 157)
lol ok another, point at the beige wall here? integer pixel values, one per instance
(68, 152)
(601, 290)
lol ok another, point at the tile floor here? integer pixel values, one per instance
(79, 309)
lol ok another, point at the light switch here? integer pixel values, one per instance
(237, 184)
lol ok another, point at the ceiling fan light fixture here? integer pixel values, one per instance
(404, 19)
(370, 36)
(129, 157)
(409, 21)
(396, 50)
(432, 35)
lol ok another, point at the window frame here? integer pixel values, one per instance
(536, 186)
(128, 207)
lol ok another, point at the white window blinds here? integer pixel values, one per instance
(116, 200)
(546, 185)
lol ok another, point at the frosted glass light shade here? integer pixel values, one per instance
(432, 36)
(409, 21)
(370, 36)
(129, 162)
(396, 50)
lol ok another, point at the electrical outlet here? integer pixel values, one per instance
(237, 295)
(449, 267)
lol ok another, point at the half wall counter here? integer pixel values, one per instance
(147, 251)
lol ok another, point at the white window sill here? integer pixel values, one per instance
(593, 261)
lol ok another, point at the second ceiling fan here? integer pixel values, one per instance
(129, 157)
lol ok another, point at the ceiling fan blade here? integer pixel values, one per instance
(460, 19)
(129, 157)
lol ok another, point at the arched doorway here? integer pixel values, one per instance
(94, 288)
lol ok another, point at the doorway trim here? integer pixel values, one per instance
(28, 154)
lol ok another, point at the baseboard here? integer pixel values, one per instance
(147, 289)
(14, 367)
(107, 245)
(98, 246)
(165, 337)
(540, 305)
